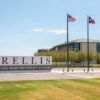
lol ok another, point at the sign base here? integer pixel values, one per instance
(11, 68)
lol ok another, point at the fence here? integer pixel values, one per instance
(72, 64)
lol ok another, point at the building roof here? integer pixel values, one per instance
(79, 41)
(84, 40)
(43, 50)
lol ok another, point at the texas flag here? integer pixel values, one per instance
(71, 18)
(91, 21)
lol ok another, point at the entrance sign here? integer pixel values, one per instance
(25, 62)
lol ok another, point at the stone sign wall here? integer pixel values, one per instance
(25, 63)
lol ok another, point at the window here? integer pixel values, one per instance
(70, 46)
(98, 47)
(77, 47)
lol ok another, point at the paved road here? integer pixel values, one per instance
(54, 74)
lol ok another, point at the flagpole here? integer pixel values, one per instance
(67, 46)
(88, 62)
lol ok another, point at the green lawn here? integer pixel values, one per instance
(84, 89)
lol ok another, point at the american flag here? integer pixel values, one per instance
(71, 18)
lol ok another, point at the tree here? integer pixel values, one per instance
(98, 58)
(81, 57)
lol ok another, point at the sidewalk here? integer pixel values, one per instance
(55, 74)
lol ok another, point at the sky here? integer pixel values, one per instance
(29, 25)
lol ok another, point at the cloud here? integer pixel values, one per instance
(55, 31)
(38, 30)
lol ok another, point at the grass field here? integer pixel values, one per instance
(83, 89)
